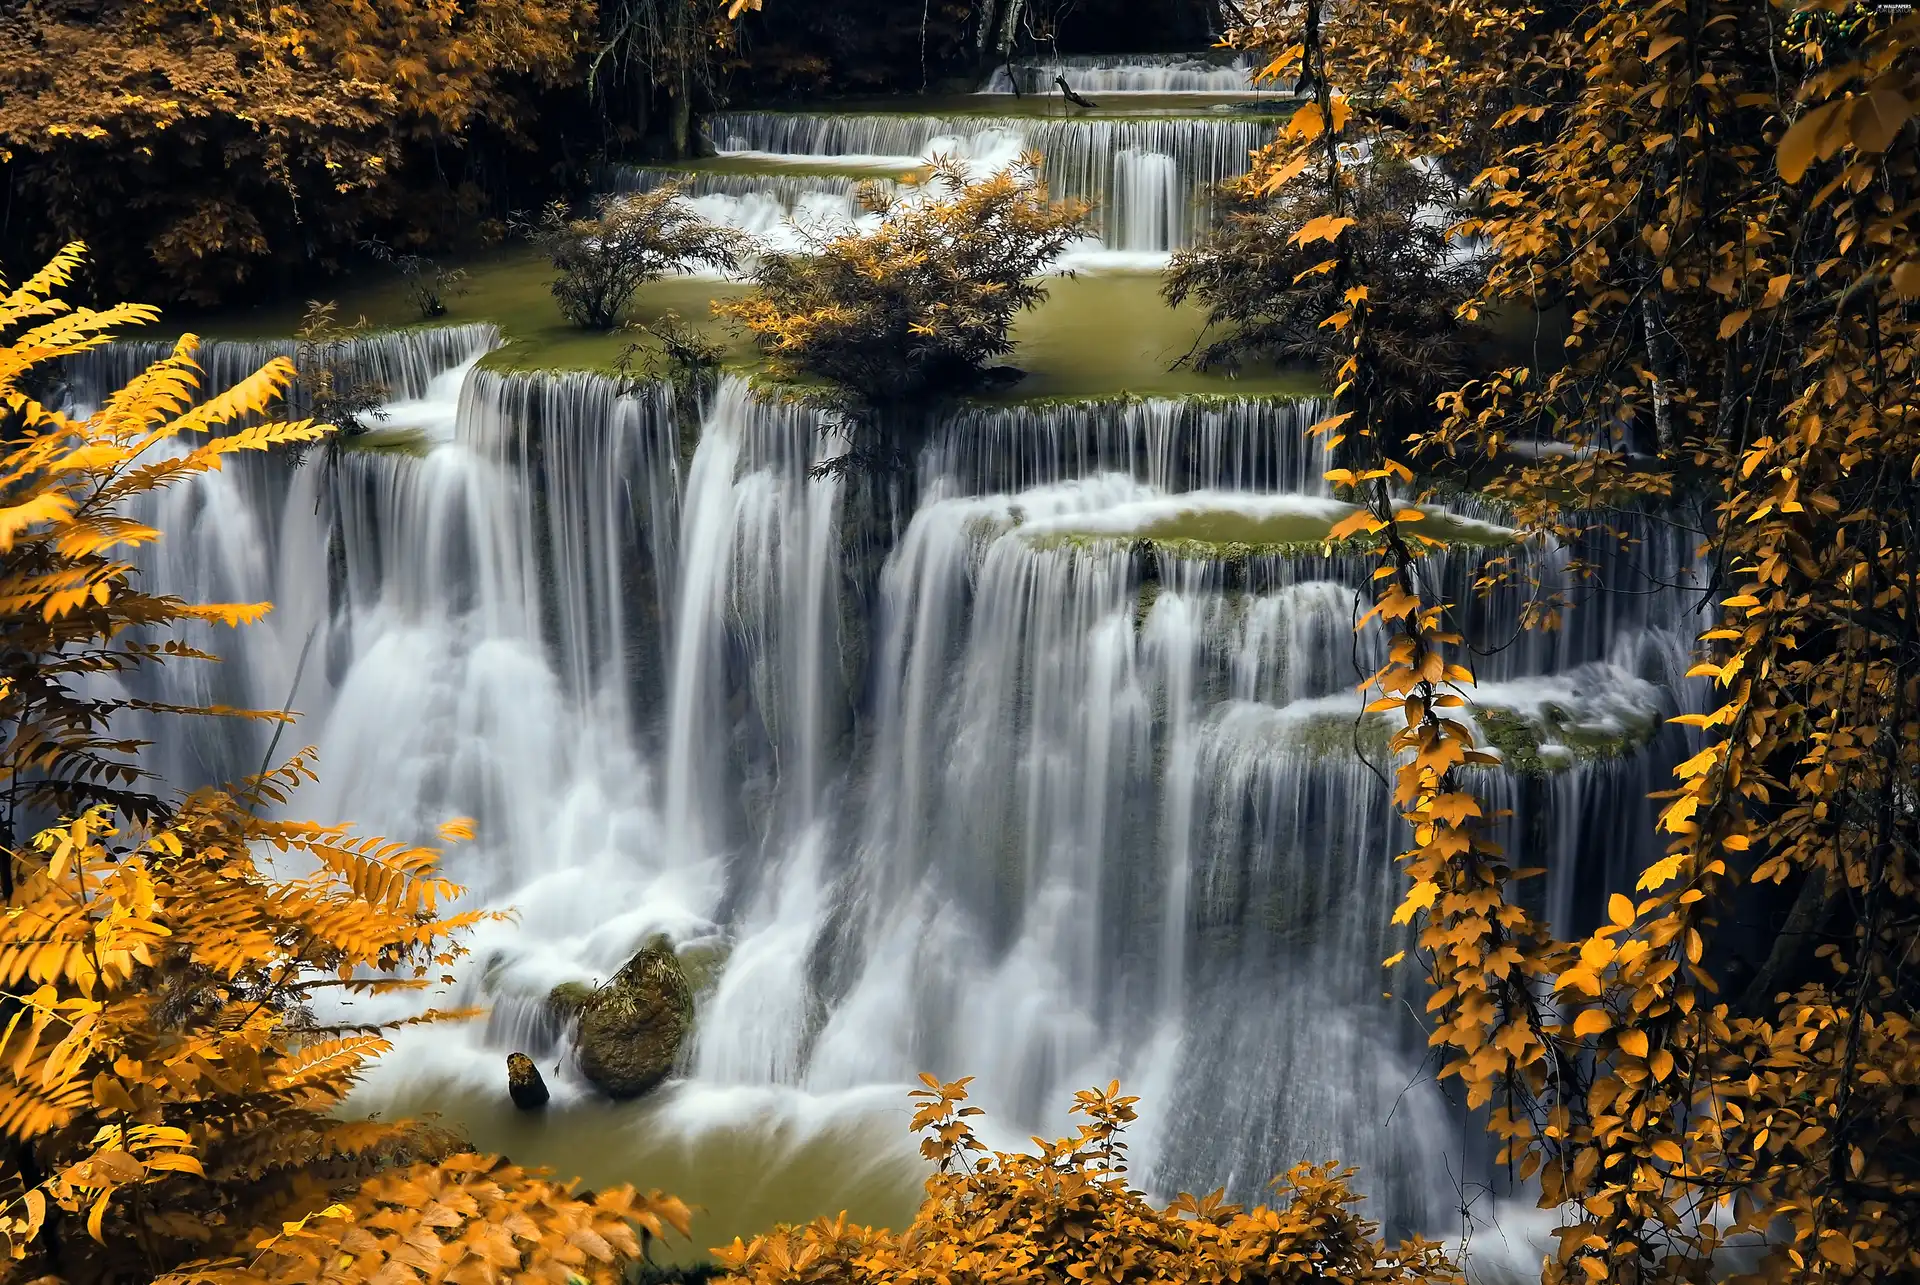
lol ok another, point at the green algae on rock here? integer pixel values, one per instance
(631, 1029)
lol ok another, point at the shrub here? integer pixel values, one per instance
(1069, 1216)
(428, 284)
(630, 240)
(922, 302)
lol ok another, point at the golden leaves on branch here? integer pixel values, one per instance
(1744, 365)
(164, 1061)
(1066, 1214)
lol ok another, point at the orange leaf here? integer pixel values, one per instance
(1876, 118)
(1324, 228)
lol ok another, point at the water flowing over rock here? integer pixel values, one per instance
(631, 1029)
(1150, 179)
(1133, 74)
(1041, 761)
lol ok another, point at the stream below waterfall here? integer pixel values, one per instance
(1042, 763)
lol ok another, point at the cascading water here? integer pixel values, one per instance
(1150, 179)
(1134, 74)
(1042, 762)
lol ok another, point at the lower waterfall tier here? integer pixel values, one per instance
(933, 788)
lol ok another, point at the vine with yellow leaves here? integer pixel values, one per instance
(1718, 200)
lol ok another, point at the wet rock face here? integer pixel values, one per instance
(524, 1085)
(632, 1028)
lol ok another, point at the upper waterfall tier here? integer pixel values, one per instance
(402, 365)
(1150, 179)
(1126, 74)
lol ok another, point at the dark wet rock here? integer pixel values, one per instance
(524, 1085)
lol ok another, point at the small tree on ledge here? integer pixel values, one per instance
(923, 302)
(629, 241)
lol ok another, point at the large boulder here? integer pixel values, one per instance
(632, 1028)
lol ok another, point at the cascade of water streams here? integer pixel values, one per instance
(1131, 74)
(1043, 764)
(1103, 823)
(1149, 179)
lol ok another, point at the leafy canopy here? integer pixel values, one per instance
(1722, 197)
(1067, 1215)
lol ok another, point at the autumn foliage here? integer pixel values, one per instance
(922, 302)
(1066, 1214)
(203, 144)
(1719, 199)
(168, 1077)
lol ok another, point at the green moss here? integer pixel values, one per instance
(567, 999)
(391, 441)
(1228, 535)
(702, 962)
(1099, 336)
(1523, 743)
(1514, 737)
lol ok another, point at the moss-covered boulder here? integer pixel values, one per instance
(632, 1028)
(524, 1083)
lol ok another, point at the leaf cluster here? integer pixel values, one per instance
(1066, 1214)
(198, 141)
(1724, 203)
(1266, 282)
(169, 1095)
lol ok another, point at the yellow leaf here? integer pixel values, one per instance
(1876, 118)
(1668, 1150)
(1634, 1042)
(1326, 227)
(1620, 910)
(1357, 521)
(1592, 1021)
(1421, 896)
(1659, 873)
(1800, 144)
(1306, 123)
(1733, 321)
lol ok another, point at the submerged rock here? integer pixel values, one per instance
(524, 1085)
(632, 1028)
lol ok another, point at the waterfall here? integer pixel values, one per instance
(1173, 444)
(1149, 202)
(1129, 74)
(1014, 767)
(1149, 179)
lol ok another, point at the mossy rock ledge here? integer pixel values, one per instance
(632, 1028)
